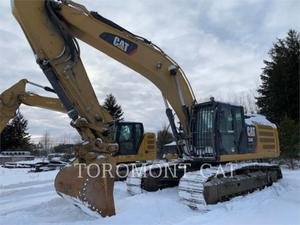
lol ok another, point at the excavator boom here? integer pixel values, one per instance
(69, 20)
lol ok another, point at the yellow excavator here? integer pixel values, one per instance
(211, 132)
(135, 146)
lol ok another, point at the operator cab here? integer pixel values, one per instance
(129, 136)
(218, 129)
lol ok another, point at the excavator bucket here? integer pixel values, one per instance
(88, 187)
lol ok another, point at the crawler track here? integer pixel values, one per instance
(154, 177)
(207, 186)
(210, 186)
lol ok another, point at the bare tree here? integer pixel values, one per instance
(164, 136)
(66, 139)
(76, 139)
(245, 99)
(46, 141)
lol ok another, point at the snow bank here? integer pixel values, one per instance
(31, 199)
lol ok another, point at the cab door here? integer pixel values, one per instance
(226, 130)
(232, 130)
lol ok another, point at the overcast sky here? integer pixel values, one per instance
(219, 44)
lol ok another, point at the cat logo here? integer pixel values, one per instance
(251, 131)
(122, 44)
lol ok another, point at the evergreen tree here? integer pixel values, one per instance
(279, 92)
(15, 135)
(289, 139)
(113, 108)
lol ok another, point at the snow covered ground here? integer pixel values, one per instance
(30, 198)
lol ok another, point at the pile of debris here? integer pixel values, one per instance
(53, 162)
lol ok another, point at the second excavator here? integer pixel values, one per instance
(136, 147)
(211, 132)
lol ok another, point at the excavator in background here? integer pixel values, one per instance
(135, 146)
(211, 132)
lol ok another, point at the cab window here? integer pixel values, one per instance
(125, 133)
(226, 121)
(129, 136)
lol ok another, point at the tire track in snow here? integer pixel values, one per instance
(16, 199)
(25, 184)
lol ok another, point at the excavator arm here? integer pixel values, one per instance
(51, 28)
(13, 97)
(9, 103)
